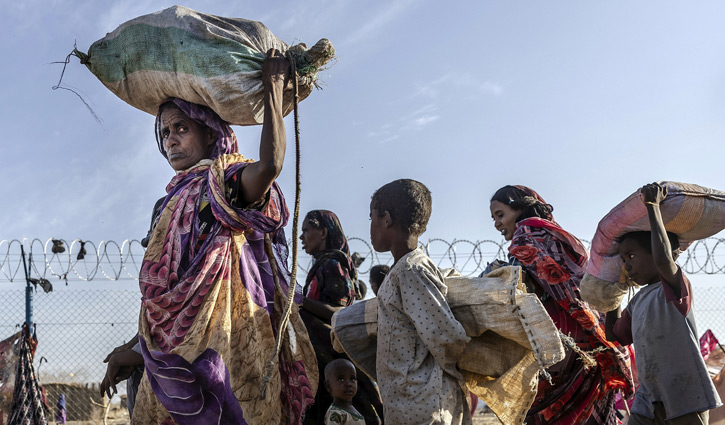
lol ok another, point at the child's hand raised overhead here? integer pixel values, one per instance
(653, 193)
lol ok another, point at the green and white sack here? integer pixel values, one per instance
(204, 59)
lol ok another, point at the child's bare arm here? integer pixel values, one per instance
(618, 326)
(320, 309)
(612, 317)
(652, 195)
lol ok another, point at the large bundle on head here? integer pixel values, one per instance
(690, 211)
(512, 339)
(204, 59)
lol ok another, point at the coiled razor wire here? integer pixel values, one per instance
(108, 260)
(111, 260)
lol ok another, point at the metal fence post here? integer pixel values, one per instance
(28, 292)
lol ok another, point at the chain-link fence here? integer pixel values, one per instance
(92, 308)
(76, 329)
(95, 301)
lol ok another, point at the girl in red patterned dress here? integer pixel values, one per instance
(554, 261)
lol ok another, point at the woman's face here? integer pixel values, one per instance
(313, 239)
(504, 218)
(184, 140)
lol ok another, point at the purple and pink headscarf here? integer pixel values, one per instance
(226, 140)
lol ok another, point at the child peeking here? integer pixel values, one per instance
(341, 383)
(377, 276)
(419, 340)
(674, 386)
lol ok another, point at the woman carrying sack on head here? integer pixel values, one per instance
(214, 278)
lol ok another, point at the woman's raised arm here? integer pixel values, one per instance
(258, 177)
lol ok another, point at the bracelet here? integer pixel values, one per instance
(652, 203)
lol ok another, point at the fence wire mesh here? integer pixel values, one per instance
(76, 329)
(95, 301)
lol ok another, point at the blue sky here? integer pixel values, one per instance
(583, 101)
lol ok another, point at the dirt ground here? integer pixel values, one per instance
(481, 418)
(119, 416)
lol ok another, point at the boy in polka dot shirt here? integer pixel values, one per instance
(419, 340)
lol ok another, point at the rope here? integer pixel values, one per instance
(84, 60)
(624, 401)
(587, 357)
(295, 230)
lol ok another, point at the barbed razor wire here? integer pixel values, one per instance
(86, 260)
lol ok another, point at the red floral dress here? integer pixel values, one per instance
(554, 262)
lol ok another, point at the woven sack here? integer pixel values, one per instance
(512, 338)
(204, 59)
(690, 211)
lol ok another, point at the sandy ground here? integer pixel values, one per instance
(481, 418)
(118, 416)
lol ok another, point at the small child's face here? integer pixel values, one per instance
(342, 383)
(638, 262)
(378, 231)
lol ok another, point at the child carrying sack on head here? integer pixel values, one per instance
(419, 340)
(674, 386)
(341, 383)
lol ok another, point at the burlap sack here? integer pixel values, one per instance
(204, 59)
(603, 295)
(512, 338)
(355, 332)
(692, 212)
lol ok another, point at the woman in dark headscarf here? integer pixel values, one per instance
(331, 286)
(554, 261)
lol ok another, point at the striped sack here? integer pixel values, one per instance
(204, 59)
(690, 211)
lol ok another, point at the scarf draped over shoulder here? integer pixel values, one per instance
(211, 305)
(556, 260)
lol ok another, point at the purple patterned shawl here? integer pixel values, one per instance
(177, 280)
